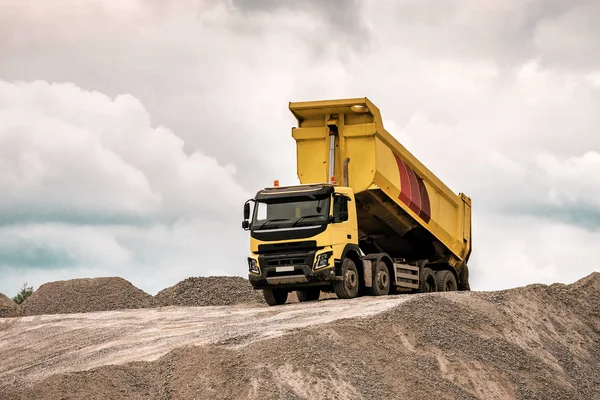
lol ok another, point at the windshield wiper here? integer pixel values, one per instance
(271, 220)
(306, 216)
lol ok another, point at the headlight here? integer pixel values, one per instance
(252, 266)
(323, 260)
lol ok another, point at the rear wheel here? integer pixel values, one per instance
(445, 280)
(275, 297)
(427, 282)
(309, 294)
(348, 287)
(463, 279)
(381, 281)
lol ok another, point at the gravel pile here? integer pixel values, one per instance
(85, 295)
(537, 342)
(209, 291)
(8, 308)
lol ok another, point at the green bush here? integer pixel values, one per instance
(23, 294)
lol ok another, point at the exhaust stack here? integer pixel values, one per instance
(333, 131)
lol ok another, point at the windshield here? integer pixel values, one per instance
(290, 212)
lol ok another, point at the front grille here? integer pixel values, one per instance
(271, 261)
(277, 262)
(289, 247)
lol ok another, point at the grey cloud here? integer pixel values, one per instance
(42, 257)
(331, 27)
(559, 34)
(346, 16)
(580, 215)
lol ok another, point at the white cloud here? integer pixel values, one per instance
(515, 251)
(65, 150)
(89, 184)
(572, 181)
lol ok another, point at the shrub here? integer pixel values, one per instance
(23, 294)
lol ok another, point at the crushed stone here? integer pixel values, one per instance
(534, 342)
(85, 295)
(8, 308)
(209, 291)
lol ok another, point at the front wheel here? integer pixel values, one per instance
(309, 294)
(275, 297)
(348, 287)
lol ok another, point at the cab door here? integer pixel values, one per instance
(344, 228)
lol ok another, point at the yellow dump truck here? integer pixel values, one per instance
(368, 217)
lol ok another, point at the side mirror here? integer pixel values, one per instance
(247, 210)
(245, 224)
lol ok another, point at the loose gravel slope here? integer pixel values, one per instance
(536, 342)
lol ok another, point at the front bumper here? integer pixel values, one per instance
(291, 270)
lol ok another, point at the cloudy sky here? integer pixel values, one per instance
(131, 132)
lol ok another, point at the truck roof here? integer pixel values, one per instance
(279, 192)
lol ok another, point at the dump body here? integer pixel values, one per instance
(403, 209)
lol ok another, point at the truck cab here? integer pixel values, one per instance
(298, 235)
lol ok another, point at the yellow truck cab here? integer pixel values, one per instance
(390, 226)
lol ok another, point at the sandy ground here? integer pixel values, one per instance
(536, 342)
(33, 348)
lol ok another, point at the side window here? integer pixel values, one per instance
(261, 212)
(340, 209)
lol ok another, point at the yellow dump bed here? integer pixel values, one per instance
(403, 208)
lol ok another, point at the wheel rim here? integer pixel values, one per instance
(382, 280)
(351, 279)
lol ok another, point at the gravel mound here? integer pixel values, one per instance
(536, 342)
(85, 295)
(8, 308)
(209, 291)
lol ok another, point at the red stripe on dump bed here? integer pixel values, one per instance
(425, 213)
(405, 194)
(413, 192)
(415, 195)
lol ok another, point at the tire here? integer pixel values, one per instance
(275, 297)
(349, 286)
(446, 282)
(427, 281)
(463, 279)
(308, 294)
(381, 281)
